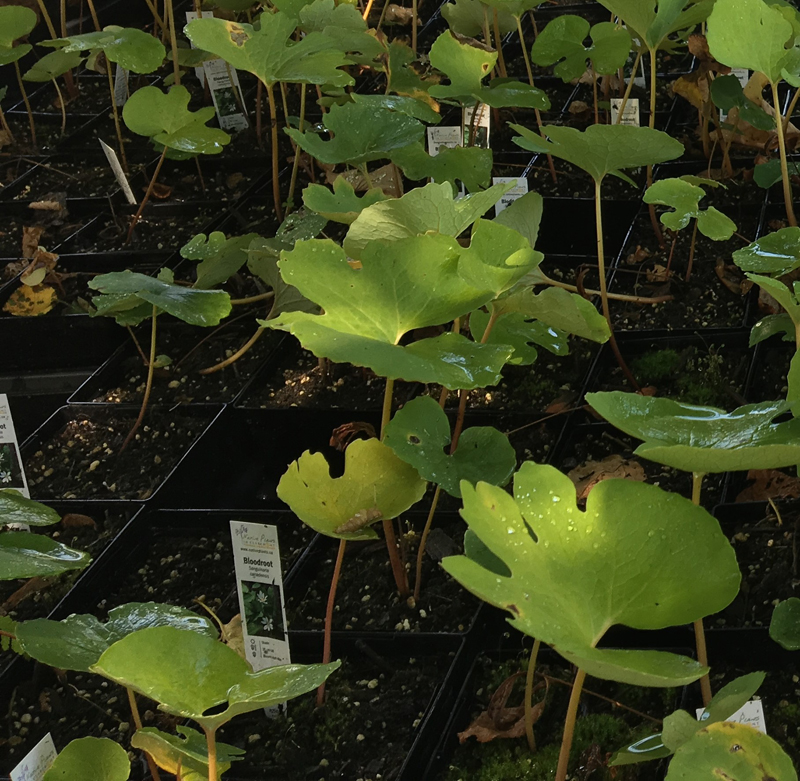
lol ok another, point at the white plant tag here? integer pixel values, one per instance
(37, 762)
(12, 471)
(482, 123)
(119, 174)
(190, 17)
(519, 189)
(259, 583)
(223, 81)
(743, 74)
(449, 136)
(751, 714)
(121, 90)
(631, 114)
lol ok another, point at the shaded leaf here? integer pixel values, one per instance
(26, 555)
(775, 254)
(784, 627)
(53, 65)
(470, 165)
(15, 508)
(100, 759)
(16, 21)
(220, 258)
(519, 331)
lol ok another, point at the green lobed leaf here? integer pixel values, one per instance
(26, 555)
(684, 197)
(344, 28)
(9, 626)
(784, 627)
(519, 331)
(465, 17)
(703, 439)
(341, 205)
(361, 134)
(602, 149)
(402, 77)
(188, 674)
(220, 258)
(465, 61)
(77, 642)
(16, 21)
(402, 104)
(637, 556)
(100, 759)
(732, 42)
(53, 65)
(15, 508)
(730, 750)
(419, 434)
(470, 165)
(510, 93)
(775, 254)
(133, 49)
(123, 291)
(376, 485)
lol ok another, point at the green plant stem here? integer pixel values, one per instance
(169, 12)
(367, 178)
(653, 83)
(138, 215)
(326, 646)
(148, 386)
(117, 125)
(95, 19)
(787, 184)
(611, 296)
(569, 726)
(62, 106)
(628, 87)
(238, 354)
(4, 124)
(211, 741)
(276, 185)
(137, 722)
(27, 103)
(601, 266)
(787, 117)
(699, 630)
(529, 694)
(157, 20)
(47, 20)
(297, 151)
(487, 33)
(501, 61)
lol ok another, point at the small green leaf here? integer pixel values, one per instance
(77, 642)
(470, 165)
(728, 750)
(15, 508)
(341, 205)
(519, 331)
(731, 698)
(100, 759)
(53, 65)
(403, 78)
(703, 439)
(770, 326)
(727, 93)
(166, 119)
(775, 254)
(420, 432)
(510, 93)
(132, 49)
(465, 61)
(376, 485)
(685, 198)
(769, 173)
(784, 628)
(678, 728)
(26, 555)
(220, 258)
(465, 17)
(637, 556)
(361, 134)
(16, 21)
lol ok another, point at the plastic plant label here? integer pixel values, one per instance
(190, 17)
(37, 762)
(259, 582)
(630, 116)
(520, 188)
(449, 136)
(223, 81)
(743, 74)
(12, 472)
(121, 89)
(481, 125)
(119, 174)
(751, 714)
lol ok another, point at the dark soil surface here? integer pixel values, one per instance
(601, 727)
(78, 180)
(366, 598)
(55, 232)
(82, 460)
(770, 371)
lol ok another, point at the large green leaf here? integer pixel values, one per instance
(775, 254)
(471, 165)
(785, 296)
(728, 750)
(166, 119)
(732, 41)
(703, 439)
(53, 65)
(77, 642)
(420, 432)
(524, 215)
(15, 508)
(466, 63)
(189, 752)
(685, 198)
(559, 309)
(269, 52)
(26, 555)
(376, 485)
(16, 21)
(100, 759)
(637, 556)
(465, 17)
(123, 291)
(341, 205)
(784, 627)
(602, 149)
(188, 674)
(562, 42)
(220, 258)
(344, 28)
(522, 333)
(432, 208)
(403, 104)
(361, 134)
(133, 49)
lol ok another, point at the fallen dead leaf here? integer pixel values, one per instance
(40, 266)
(77, 521)
(731, 276)
(31, 234)
(343, 435)
(234, 180)
(588, 475)
(46, 206)
(769, 484)
(388, 178)
(658, 273)
(233, 636)
(160, 191)
(639, 255)
(561, 403)
(580, 109)
(23, 592)
(396, 14)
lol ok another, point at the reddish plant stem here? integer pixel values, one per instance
(326, 646)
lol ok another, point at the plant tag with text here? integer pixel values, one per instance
(481, 125)
(520, 188)
(223, 81)
(259, 582)
(190, 17)
(449, 136)
(12, 472)
(121, 88)
(122, 180)
(631, 114)
(37, 762)
(751, 714)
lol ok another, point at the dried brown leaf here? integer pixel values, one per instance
(396, 14)
(232, 635)
(344, 434)
(769, 484)
(693, 88)
(639, 255)
(77, 521)
(658, 273)
(161, 191)
(359, 520)
(30, 240)
(588, 475)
